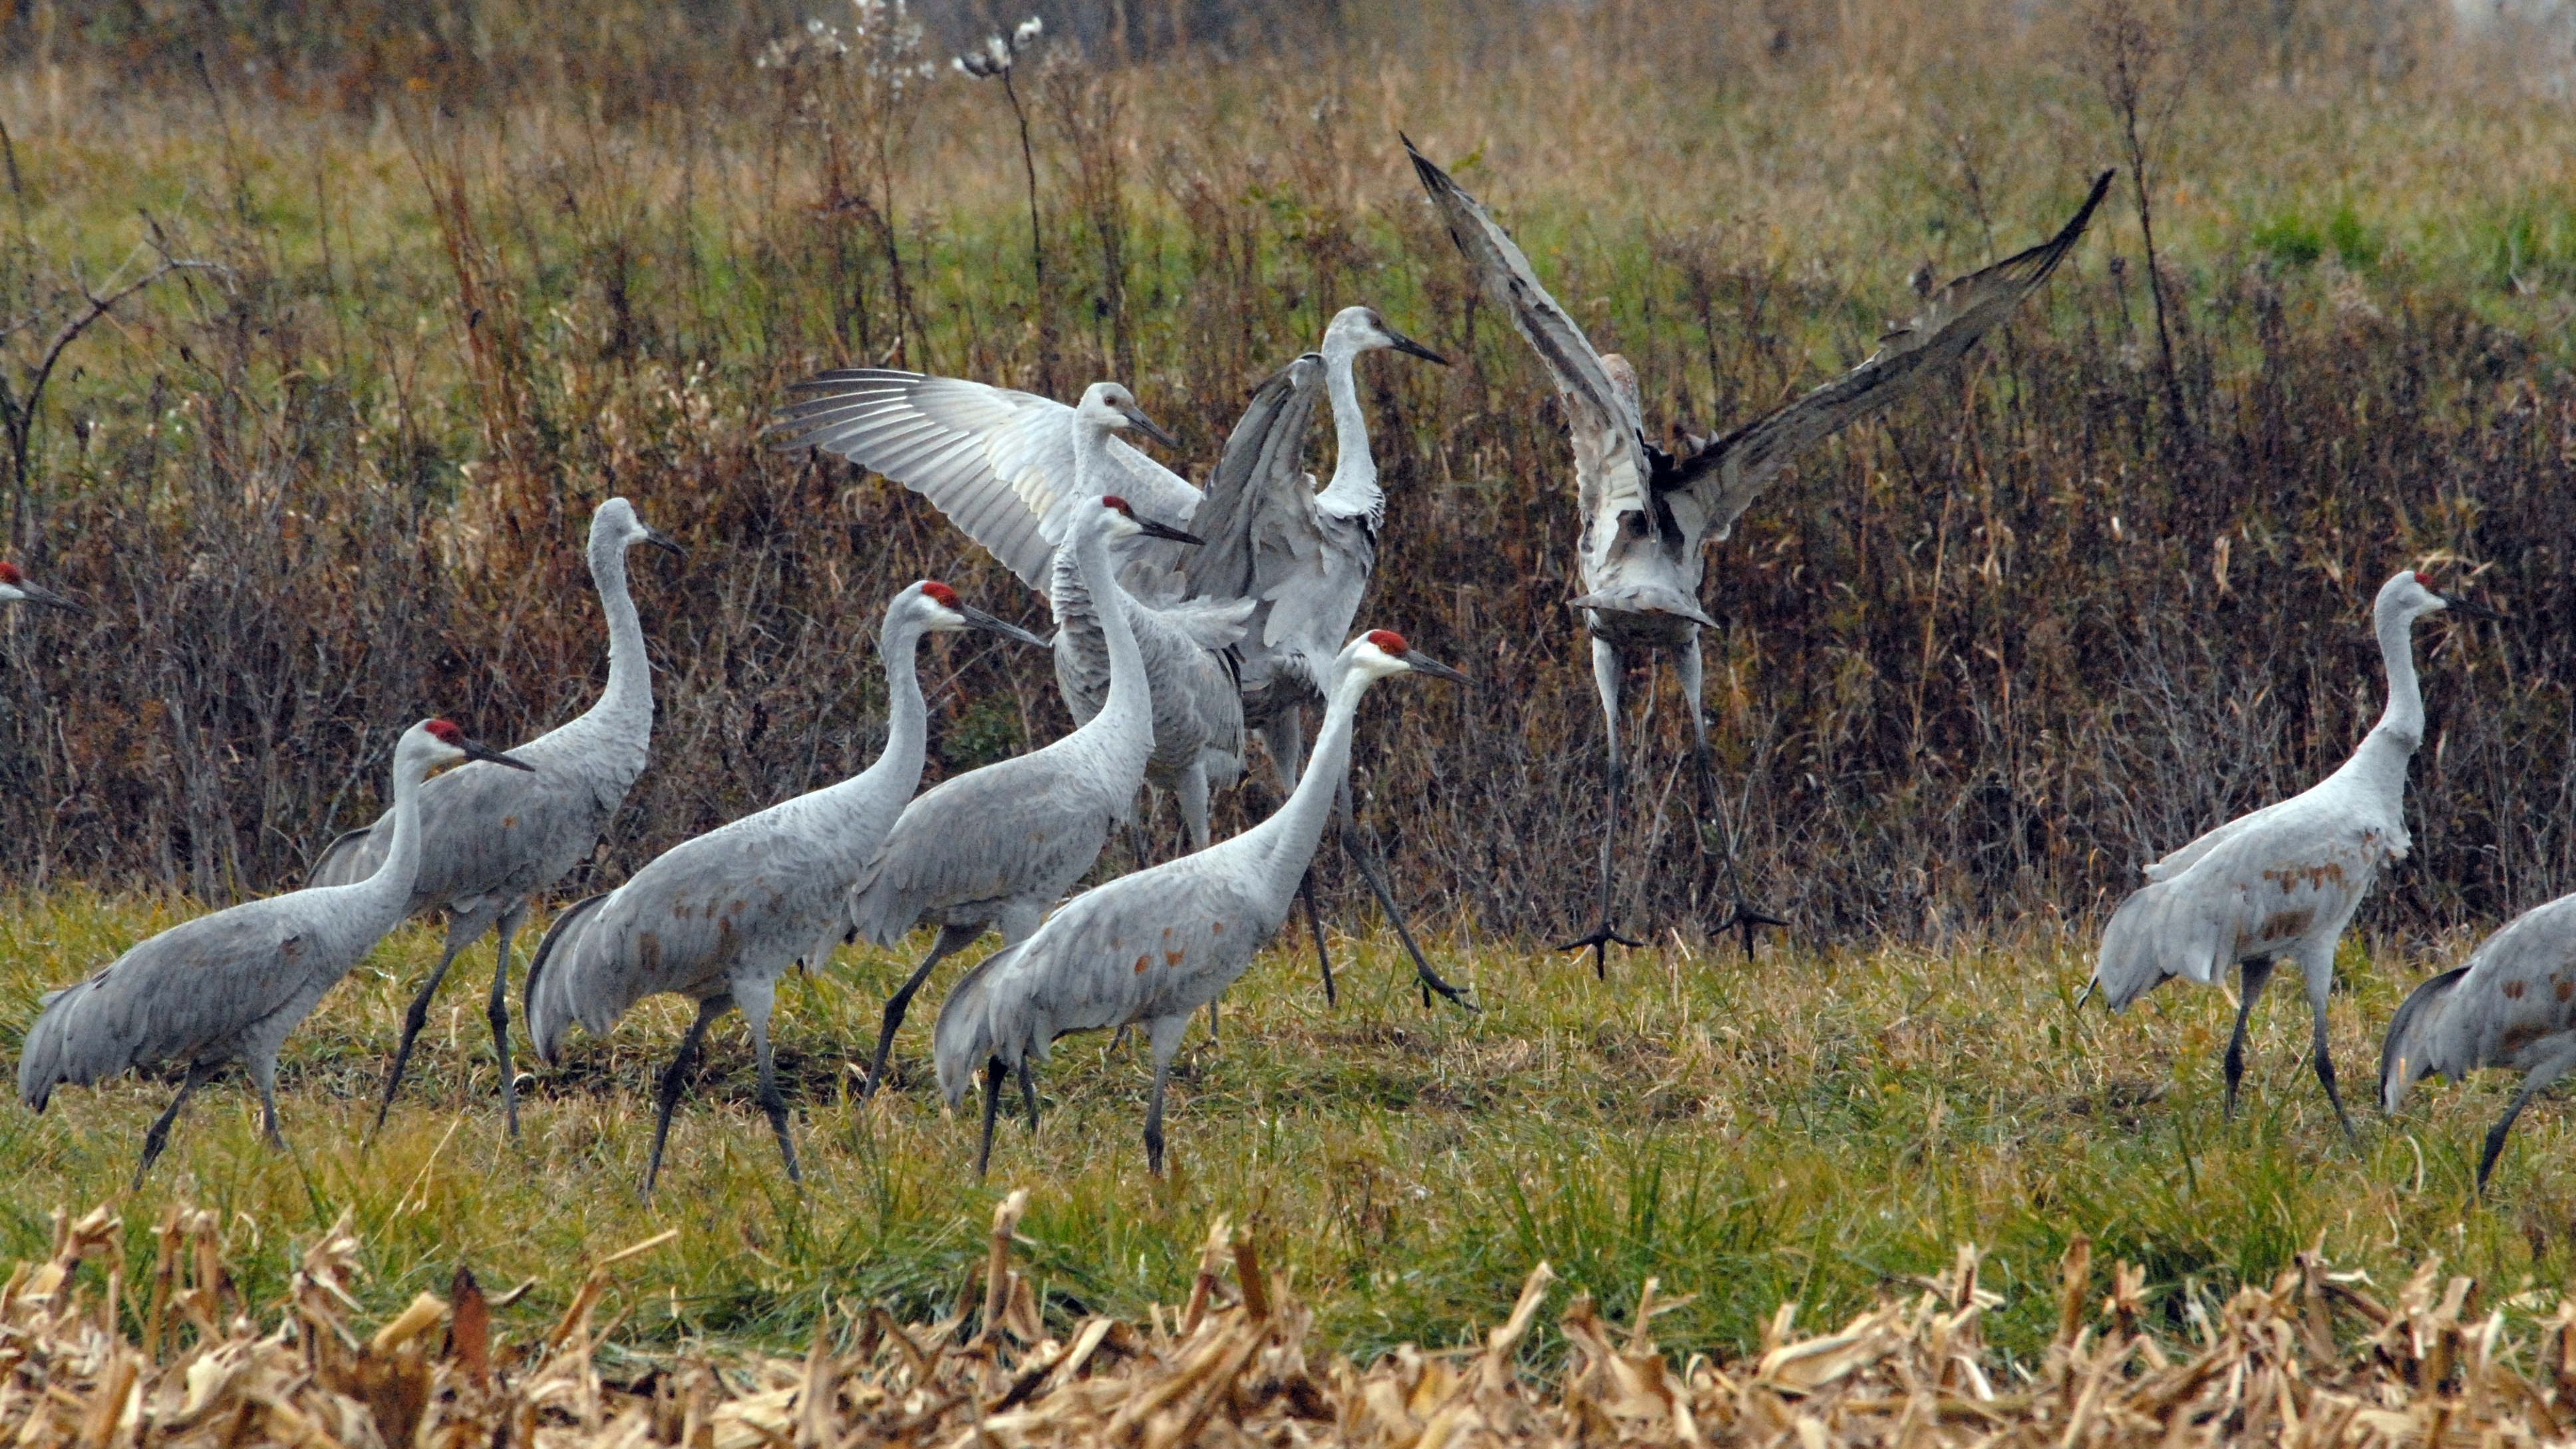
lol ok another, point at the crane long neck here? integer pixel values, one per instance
(907, 718)
(1354, 488)
(1130, 701)
(2404, 716)
(1288, 839)
(630, 674)
(390, 887)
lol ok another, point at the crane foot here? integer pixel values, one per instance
(1747, 918)
(1599, 942)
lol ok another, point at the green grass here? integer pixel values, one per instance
(1808, 1128)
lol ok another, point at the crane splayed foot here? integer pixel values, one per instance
(1599, 942)
(1747, 918)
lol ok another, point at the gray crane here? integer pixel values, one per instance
(1305, 557)
(2282, 882)
(491, 843)
(232, 985)
(2512, 1007)
(14, 589)
(719, 917)
(995, 847)
(1648, 514)
(1153, 947)
(1001, 465)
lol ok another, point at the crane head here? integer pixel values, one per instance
(1384, 652)
(951, 614)
(14, 587)
(446, 733)
(1360, 329)
(1108, 405)
(1128, 524)
(2411, 594)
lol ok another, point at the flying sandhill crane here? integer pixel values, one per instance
(1002, 466)
(14, 589)
(231, 986)
(2280, 883)
(997, 846)
(719, 917)
(491, 843)
(2512, 1007)
(1153, 947)
(1648, 514)
(1305, 557)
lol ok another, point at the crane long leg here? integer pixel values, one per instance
(263, 1075)
(756, 997)
(952, 939)
(1605, 676)
(1373, 870)
(2251, 978)
(1029, 1093)
(497, 1012)
(1743, 916)
(1192, 792)
(2319, 968)
(199, 1073)
(418, 1015)
(1285, 737)
(2540, 1076)
(677, 1075)
(1165, 1035)
(992, 1110)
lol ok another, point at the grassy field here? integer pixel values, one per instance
(1812, 1127)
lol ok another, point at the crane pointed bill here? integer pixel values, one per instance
(1411, 348)
(38, 594)
(1147, 426)
(474, 751)
(1420, 662)
(977, 619)
(658, 539)
(2457, 605)
(1165, 530)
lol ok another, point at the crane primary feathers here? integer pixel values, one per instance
(232, 985)
(1647, 513)
(2512, 1007)
(1153, 947)
(2282, 882)
(16, 589)
(491, 842)
(997, 846)
(720, 916)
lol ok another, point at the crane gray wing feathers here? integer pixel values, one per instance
(1711, 488)
(492, 834)
(193, 991)
(1261, 500)
(997, 462)
(2507, 1007)
(1024, 827)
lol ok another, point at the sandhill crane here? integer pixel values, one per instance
(14, 589)
(719, 917)
(997, 846)
(231, 986)
(1304, 557)
(2282, 882)
(491, 843)
(1001, 465)
(1647, 514)
(1153, 947)
(2512, 1007)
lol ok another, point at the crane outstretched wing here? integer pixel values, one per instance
(1710, 489)
(998, 463)
(1609, 448)
(1261, 496)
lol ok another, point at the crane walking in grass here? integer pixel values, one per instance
(1151, 948)
(1648, 514)
(997, 846)
(231, 986)
(492, 843)
(721, 916)
(2281, 883)
(15, 589)
(2513, 1007)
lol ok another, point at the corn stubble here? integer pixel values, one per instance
(2315, 1356)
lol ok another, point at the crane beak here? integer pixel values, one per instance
(658, 539)
(1165, 530)
(474, 751)
(1411, 348)
(2457, 605)
(1136, 418)
(978, 619)
(38, 594)
(1422, 663)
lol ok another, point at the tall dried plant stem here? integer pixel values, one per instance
(1042, 314)
(2128, 54)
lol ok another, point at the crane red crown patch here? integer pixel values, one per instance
(9, 574)
(940, 593)
(446, 731)
(1112, 500)
(2425, 579)
(1390, 641)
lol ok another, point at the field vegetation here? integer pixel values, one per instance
(419, 286)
